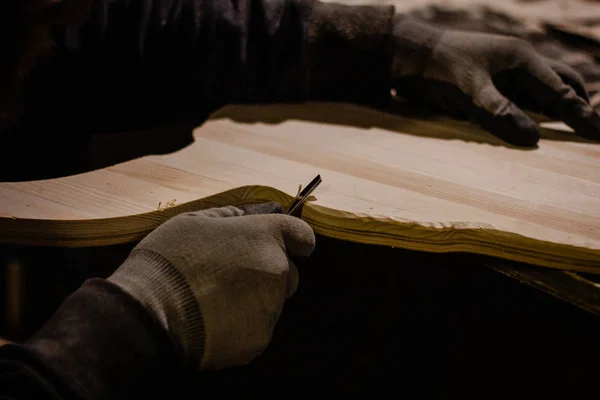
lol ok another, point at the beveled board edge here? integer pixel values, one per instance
(366, 229)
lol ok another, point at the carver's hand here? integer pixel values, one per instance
(217, 279)
(490, 79)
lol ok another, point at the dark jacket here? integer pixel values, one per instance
(150, 60)
(100, 344)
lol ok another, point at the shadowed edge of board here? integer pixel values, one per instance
(366, 229)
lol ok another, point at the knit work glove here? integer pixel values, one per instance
(490, 79)
(217, 279)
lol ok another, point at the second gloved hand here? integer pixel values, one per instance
(217, 279)
(489, 79)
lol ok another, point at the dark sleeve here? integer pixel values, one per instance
(100, 344)
(349, 52)
(133, 55)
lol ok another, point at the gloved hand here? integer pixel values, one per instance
(488, 78)
(217, 279)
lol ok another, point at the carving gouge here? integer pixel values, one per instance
(295, 207)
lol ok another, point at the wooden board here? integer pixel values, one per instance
(431, 185)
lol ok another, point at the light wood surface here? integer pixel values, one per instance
(431, 185)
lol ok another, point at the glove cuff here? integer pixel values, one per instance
(414, 42)
(153, 281)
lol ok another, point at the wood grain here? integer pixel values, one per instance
(432, 185)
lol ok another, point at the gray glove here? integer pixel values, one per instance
(217, 279)
(489, 78)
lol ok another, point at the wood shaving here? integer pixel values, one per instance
(308, 199)
(168, 204)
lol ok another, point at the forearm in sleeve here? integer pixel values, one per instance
(221, 51)
(100, 344)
